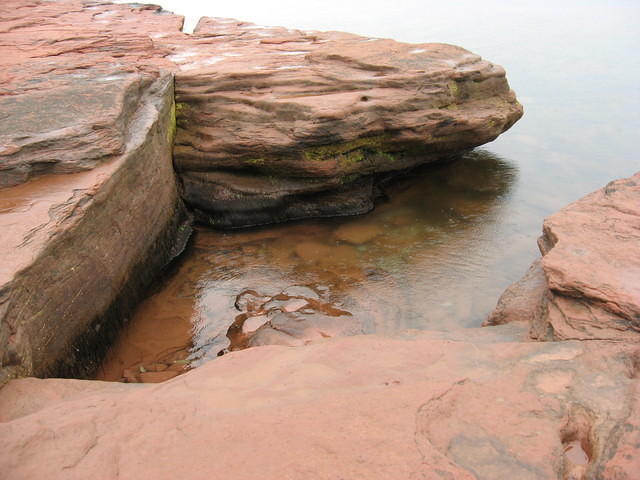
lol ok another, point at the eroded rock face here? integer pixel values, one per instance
(80, 248)
(313, 113)
(319, 110)
(83, 96)
(273, 125)
(433, 406)
(590, 270)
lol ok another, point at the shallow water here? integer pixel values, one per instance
(437, 253)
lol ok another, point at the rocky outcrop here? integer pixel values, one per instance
(89, 100)
(273, 124)
(68, 83)
(435, 406)
(276, 124)
(79, 249)
(84, 98)
(588, 282)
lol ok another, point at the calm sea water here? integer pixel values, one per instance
(446, 244)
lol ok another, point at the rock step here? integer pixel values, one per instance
(81, 248)
(587, 284)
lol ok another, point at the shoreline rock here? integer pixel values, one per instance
(433, 405)
(461, 404)
(90, 210)
(587, 284)
(270, 125)
(81, 248)
(323, 110)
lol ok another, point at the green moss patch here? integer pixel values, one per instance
(352, 150)
(171, 130)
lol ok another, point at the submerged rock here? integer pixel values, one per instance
(588, 286)
(298, 315)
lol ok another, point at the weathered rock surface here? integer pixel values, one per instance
(67, 90)
(433, 406)
(81, 95)
(78, 249)
(320, 109)
(311, 112)
(227, 199)
(590, 271)
(520, 302)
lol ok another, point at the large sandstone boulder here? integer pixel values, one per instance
(273, 124)
(81, 98)
(437, 406)
(277, 124)
(587, 284)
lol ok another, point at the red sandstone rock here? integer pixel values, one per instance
(245, 103)
(269, 101)
(69, 79)
(433, 406)
(78, 248)
(520, 302)
(590, 270)
(310, 111)
(273, 102)
(83, 94)
(356, 407)
(296, 316)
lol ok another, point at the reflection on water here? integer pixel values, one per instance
(432, 255)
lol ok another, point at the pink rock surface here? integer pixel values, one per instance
(69, 76)
(314, 110)
(261, 98)
(590, 271)
(357, 407)
(520, 302)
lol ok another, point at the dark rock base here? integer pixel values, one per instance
(88, 350)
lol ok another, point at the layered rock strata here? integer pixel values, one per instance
(67, 93)
(587, 284)
(273, 124)
(86, 99)
(79, 249)
(277, 124)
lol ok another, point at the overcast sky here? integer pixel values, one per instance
(408, 20)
